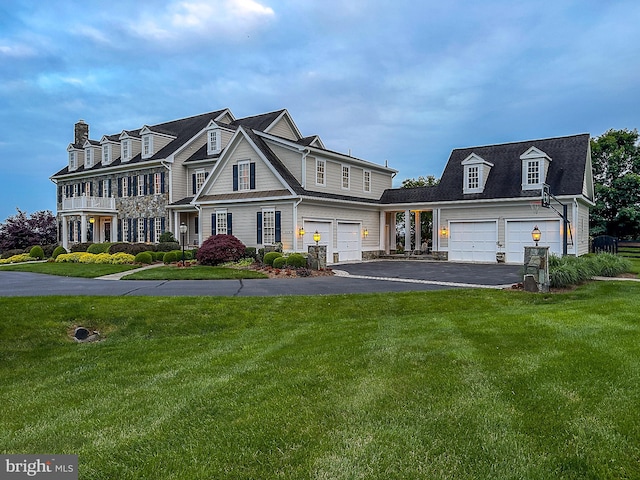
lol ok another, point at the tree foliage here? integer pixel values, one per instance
(24, 231)
(616, 172)
(421, 181)
(426, 218)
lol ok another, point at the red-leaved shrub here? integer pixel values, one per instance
(220, 249)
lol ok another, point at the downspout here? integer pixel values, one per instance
(170, 228)
(305, 152)
(199, 210)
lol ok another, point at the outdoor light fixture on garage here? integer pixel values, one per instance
(443, 231)
(316, 237)
(536, 234)
(301, 232)
(365, 232)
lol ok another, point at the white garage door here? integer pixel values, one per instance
(326, 236)
(518, 236)
(473, 241)
(349, 242)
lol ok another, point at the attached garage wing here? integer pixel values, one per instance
(349, 245)
(326, 236)
(473, 241)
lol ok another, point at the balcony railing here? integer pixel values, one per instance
(89, 203)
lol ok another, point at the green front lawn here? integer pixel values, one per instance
(85, 270)
(460, 384)
(196, 272)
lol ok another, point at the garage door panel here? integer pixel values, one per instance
(473, 241)
(349, 242)
(518, 236)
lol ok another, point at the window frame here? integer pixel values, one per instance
(157, 183)
(222, 226)
(201, 177)
(213, 141)
(125, 186)
(532, 172)
(346, 169)
(244, 181)
(366, 181)
(157, 226)
(73, 160)
(473, 177)
(106, 154)
(140, 182)
(125, 230)
(88, 157)
(321, 171)
(147, 145)
(268, 226)
(141, 233)
(125, 148)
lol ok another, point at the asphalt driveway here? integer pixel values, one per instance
(366, 277)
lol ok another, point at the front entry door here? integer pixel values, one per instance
(107, 231)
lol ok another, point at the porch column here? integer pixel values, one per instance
(407, 231)
(418, 231)
(83, 228)
(114, 228)
(65, 232)
(382, 245)
(176, 224)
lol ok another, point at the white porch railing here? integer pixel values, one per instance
(89, 203)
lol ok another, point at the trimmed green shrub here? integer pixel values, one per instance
(36, 252)
(170, 257)
(296, 260)
(80, 247)
(270, 257)
(167, 246)
(250, 252)
(144, 257)
(167, 237)
(99, 248)
(157, 256)
(130, 248)
(279, 262)
(187, 254)
(58, 250)
(219, 249)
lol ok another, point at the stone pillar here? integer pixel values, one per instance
(407, 231)
(536, 269)
(317, 259)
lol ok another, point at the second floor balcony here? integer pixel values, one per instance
(87, 203)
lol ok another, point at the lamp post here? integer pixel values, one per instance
(316, 237)
(183, 232)
(536, 234)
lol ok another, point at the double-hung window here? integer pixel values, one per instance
(221, 222)
(141, 180)
(126, 150)
(200, 178)
(125, 230)
(141, 236)
(105, 189)
(268, 226)
(147, 146)
(125, 186)
(106, 154)
(72, 161)
(88, 158)
(346, 173)
(157, 183)
(473, 177)
(158, 229)
(533, 172)
(244, 176)
(320, 171)
(366, 179)
(213, 142)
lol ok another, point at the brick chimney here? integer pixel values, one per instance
(81, 132)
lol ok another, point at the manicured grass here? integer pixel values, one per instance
(464, 384)
(85, 270)
(196, 272)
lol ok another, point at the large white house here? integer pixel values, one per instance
(261, 180)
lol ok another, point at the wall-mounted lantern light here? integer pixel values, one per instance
(301, 232)
(443, 231)
(536, 234)
(92, 220)
(316, 237)
(365, 232)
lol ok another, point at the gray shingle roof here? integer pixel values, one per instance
(565, 177)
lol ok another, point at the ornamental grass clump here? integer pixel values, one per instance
(219, 249)
(570, 270)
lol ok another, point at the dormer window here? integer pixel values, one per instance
(73, 160)
(476, 172)
(147, 146)
(125, 150)
(535, 165)
(88, 157)
(213, 142)
(106, 154)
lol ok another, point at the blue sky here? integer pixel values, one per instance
(402, 81)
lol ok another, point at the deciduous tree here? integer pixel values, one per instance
(23, 231)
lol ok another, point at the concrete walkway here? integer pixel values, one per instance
(120, 275)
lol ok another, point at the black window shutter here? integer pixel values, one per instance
(229, 225)
(129, 185)
(278, 229)
(235, 178)
(91, 189)
(134, 187)
(196, 225)
(146, 231)
(109, 188)
(252, 175)
(193, 183)
(82, 186)
(100, 182)
(59, 194)
(152, 187)
(162, 184)
(120, 231)
(259, 241)
(162, 225)
(145, 185)
(120, 187)
(129, 232)
(152, 231)
(214, 226)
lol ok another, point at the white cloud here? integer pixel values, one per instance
(17, 51)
